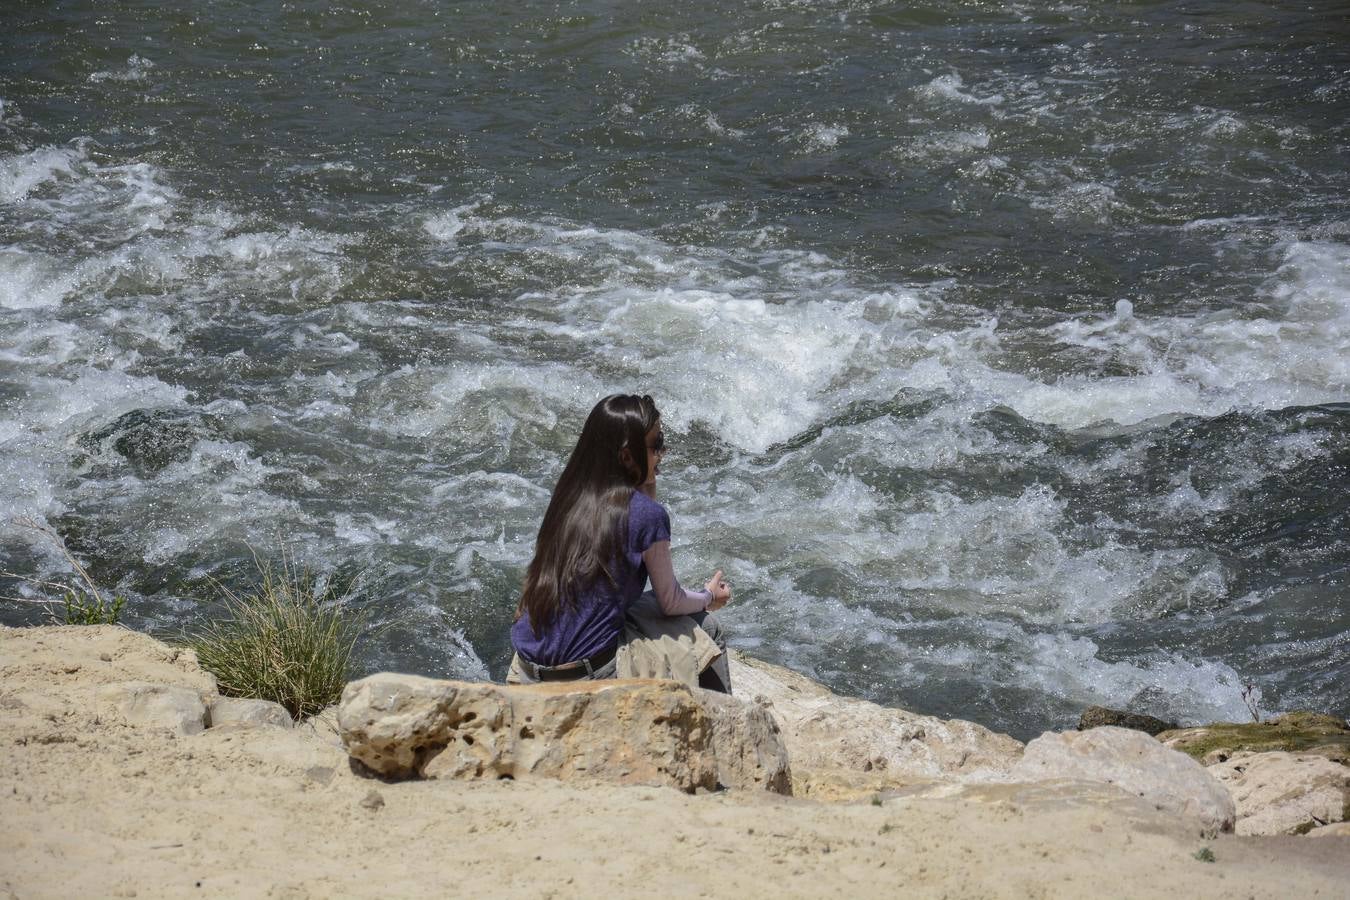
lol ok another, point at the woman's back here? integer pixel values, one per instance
(596, 621)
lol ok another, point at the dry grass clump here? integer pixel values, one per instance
(289, 640)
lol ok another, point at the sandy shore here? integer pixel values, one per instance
(90, 806)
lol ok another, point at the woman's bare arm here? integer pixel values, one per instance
(674, 599)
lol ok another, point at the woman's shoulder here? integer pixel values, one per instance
(643, 510)
(641, 503)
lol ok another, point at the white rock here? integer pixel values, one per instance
(841, 747)
(156, 705)
(243, 712)
(1134, 762)
(1279, 792)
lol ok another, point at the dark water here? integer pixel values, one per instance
(1004, 348)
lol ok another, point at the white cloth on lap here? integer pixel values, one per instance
(655, 645)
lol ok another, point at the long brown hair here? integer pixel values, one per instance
(581, 537)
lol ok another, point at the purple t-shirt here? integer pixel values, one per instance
(598, 619)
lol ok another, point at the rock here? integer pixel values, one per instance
(151, 439)
(156, 705)
(323, 727)
(321, 775)
(746, 741)
(1340, 829)
(1052, 797)
(1284, 793)
(1297, 732)
(628, 732)
(1135, 763)
(842, 747)
(248, 713)
(1097, 716)
(373, 800)
(105, 654)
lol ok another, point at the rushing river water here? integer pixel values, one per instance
(1003, 348)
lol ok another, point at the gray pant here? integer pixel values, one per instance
(716, 677)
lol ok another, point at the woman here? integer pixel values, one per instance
(603, 535)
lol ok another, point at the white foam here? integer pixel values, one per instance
(753, 355)
(144, 326)
(821, 136)
(948, 145)
(461, 401)
(761, 356)
(948, 88)
(138, 69)
(1190, 690)
(67, 402)
(715, 127)
(218, 492)
(32, 280)
(491, 491)
(708, 121)
(365, 528)
(1225, 125)
(1223, 223)
(1090, 200)
(671, 51)
(21, 174)
(1212, 363)
(35, 442)
(447, 226)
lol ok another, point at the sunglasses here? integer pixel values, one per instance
(660, 445)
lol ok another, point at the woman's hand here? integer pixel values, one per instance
(720, 590)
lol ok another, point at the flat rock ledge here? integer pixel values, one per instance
(1285, 793)
(843, 748)
(180, 709)
(1302, 732)
(1135, 763)
(620, 731)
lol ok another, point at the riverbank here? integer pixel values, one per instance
(93, 805)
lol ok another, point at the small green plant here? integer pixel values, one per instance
(876, 800)
(81, 603)
(288, 640)
(91, 608)
(1204, 854)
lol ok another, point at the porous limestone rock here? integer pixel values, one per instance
(244, 713)
(748, 745)
(1284, 793)
(841, 747)
(156, 705)
(1295, 732)
(624, 731)
(1097, 716)
(1135, 763)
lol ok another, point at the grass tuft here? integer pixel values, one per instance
(289, 640)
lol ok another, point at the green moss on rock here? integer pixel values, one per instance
(1296, 732)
